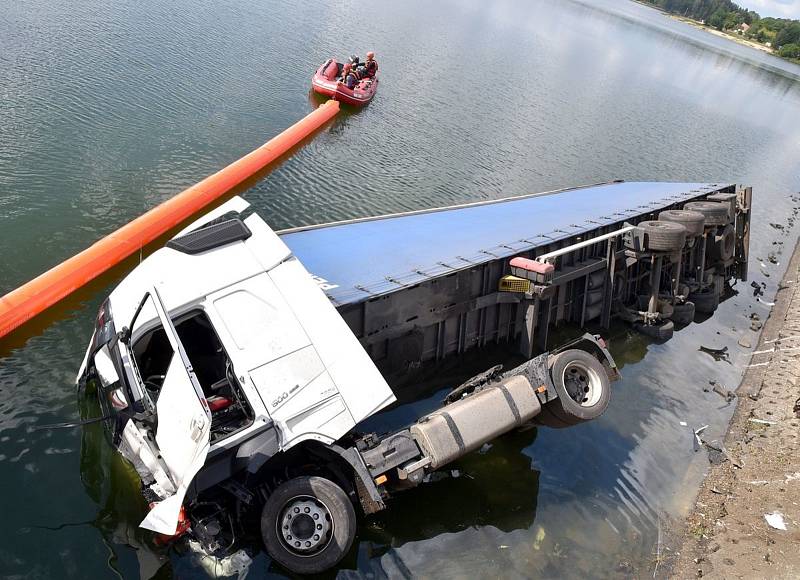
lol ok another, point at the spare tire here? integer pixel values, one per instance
(724, 248)
(663, 236)
(716, 213)
(693, 221)
(583, 387)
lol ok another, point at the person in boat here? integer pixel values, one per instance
(349, 78)
(370, 65)
(358, 67)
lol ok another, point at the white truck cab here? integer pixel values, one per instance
(219, 345)
(229, 379)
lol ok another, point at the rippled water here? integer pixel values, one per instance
(109, 108)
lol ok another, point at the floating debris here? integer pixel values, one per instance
(698, 443)
(718, 354)
(539, 538)
(723, 392)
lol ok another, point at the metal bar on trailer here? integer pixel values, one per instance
(590, 242)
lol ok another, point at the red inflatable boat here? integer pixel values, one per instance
(326, 81)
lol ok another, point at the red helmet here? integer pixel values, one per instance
(370, 55)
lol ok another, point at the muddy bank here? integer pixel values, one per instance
(753, 486)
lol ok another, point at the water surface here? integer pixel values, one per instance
(110, 108)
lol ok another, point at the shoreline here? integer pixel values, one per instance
(735, 38)
(757, 467)
(721, 34)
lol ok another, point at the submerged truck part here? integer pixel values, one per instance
(467, 424)
(559, 389)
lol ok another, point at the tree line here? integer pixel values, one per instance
(783, 34)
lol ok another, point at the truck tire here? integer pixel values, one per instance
(583, 388)
(663, 236)
(661, 332)
(716, 213)
(308, 524)
(664, 307)
(706, 301)
(724, 248)
(693, 221)
(683, 313)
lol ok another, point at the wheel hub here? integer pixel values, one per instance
(305, 525)
(582, 384)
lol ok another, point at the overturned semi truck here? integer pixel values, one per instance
(233, 366)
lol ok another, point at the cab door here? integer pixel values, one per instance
(183, 425)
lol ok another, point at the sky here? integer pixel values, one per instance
(774, 8)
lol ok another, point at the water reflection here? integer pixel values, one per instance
(114, 486)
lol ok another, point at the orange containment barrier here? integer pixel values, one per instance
(22, 304)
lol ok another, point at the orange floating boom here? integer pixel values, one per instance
(22, 304)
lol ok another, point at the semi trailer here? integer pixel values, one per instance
(234, 366)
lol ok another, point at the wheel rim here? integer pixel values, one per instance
(305, 525)
(582, 383)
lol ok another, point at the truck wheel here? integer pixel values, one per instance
(308, 524)
(716, 213)
(705, 301)
(683, 313)
(583, 388)
(661, 332)
(663, 236)
(723, 249)
(693, 221)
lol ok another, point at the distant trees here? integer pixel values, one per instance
(717, 19)
(788, 34)
(721, 14)
(790, 51)
(780, 32)
(783, 34)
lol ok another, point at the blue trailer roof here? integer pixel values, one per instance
(362, 259)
